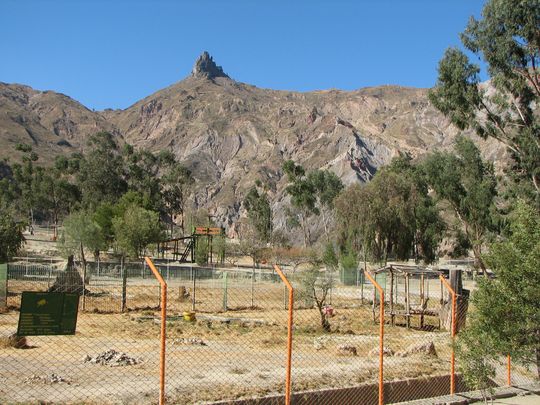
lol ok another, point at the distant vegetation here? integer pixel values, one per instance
(108, 196)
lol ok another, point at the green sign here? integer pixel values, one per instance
(48, 313)
(3, 286)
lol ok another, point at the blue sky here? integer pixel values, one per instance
(109, 54)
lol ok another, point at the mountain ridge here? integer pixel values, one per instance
(231, 133)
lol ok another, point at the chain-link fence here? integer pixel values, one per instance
(228, 335)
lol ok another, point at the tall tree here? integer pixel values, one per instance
(393, 215)
(136, 229)
(468, 184)
(507, 39)
(506, 316)
(11, 237)
(55, 194)
(81, 233)
(259, 212)
(176, 183)
(303, 198)
(101, 174)
(327, 187)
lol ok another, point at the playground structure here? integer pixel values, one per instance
(409, 296)
(183, 248)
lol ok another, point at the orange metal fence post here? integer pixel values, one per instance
(381, 336)
(509, 370)
(163, 329)
(452, 356)
(289, 334)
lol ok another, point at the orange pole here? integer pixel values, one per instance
(509, 370)
(381, 337)
(289, 334)
(452, 356)
(163, 329)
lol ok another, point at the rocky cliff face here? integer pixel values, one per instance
(230, 134)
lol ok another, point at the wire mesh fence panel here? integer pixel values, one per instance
(227, 335)
(334, 338)
(228, 347)
(111, 358)
(418, 335)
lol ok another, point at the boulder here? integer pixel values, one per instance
(427, 349)
(346, 350)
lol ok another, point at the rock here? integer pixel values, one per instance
(52, 379)
(205, 67)
(346, 350)
(318, 344)
(189, 341)
(112, 358)
(427, 349)
(386, 352)
(16, 341)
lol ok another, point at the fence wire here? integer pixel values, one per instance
(227, 335)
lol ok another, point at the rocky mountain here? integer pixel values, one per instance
(230, 134)
(52, 123)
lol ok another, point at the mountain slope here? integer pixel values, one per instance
(51, 122)
(231, 134)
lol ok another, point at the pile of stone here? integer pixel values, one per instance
(112, 358)
(46, 379)
(189, 342)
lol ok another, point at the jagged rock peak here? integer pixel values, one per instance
(205, 67)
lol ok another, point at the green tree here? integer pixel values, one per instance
(506, 316)
(259, 213)
(468, 184)
(101, 174)
(54, 194)
(81, 233)
(136, 229)
(177, 181)
(24, 185)
(327, 186)
(507, 39)
(11, 237)
(303, 199)
(393, 215)
(315, 285)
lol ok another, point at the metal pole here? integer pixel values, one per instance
(289, 335)
(509, 370)
(193, 295)
(252, 286)
(381, 336)
(163, 330)
(452, 355)
(225, 291)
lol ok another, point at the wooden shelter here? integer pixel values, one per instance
(408, 292)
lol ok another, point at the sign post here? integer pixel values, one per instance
(48, 313)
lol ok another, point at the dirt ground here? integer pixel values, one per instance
(224, 354)
(244, 351)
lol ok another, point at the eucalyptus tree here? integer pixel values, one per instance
(507, 40)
